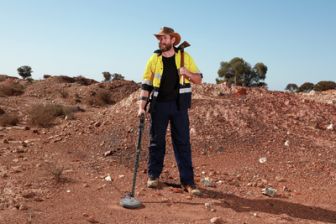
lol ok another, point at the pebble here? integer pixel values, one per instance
(108, 178)
(91, 219)
(216, 220)
(262, 160)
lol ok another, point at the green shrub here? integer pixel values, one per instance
(306, 87)
(292, 87)
(324, 85)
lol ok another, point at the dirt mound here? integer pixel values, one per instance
(69, 90)
(328, 96)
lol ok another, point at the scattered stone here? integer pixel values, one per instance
(220, 182)
(97, 124)
(121, 176)
(108, 178)
(330, 127)
(91, 219)
(38, 199)
(216, 220)
(286, 189)
(269, 191)
(16, 169)
(25, 143)
(21, 150)
(189, 197)
(262, 160)
(108, 153)
(208, 205)
(192, 131)
(286, 143)
(101, 187)
(207, 182)
(255, 214)
(57, 139)
(280, 179)
(165, 200)
(23, 207)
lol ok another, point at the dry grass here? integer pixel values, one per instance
(64, 79)
(10, 88)
(100, 97)
(8, 120)
(64, 93)
(44, 115)
(84, 81)
(57, 173)
(78, 79)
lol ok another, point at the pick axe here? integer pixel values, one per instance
(183, 45)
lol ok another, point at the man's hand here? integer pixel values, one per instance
(195, 78)
(184, 72)
(142, 102)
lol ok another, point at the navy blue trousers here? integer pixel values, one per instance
(179, 124)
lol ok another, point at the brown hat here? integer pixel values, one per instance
(169, 31)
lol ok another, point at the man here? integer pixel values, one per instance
(170, 88)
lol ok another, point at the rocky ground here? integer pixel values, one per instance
(244, 141)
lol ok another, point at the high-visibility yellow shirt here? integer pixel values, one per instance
(154, 68)
(153, 74)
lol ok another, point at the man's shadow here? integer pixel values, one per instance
(272, 206)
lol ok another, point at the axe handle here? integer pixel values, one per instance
(182, 63)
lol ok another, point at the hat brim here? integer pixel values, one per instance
(176, 35)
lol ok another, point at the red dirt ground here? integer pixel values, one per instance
(229, 133)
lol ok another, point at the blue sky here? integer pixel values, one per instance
(295, 39)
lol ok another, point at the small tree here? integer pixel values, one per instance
(239, 72)
(107, 76)
(324, 85)
(261, 70)
(306, 87)
(292, 87)
(117, 76)
(25, 71)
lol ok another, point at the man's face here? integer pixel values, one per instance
(166, 42)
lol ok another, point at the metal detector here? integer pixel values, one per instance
(129, 201)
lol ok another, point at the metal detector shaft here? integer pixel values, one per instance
(137, 152)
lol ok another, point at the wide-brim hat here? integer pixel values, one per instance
(169, 31)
